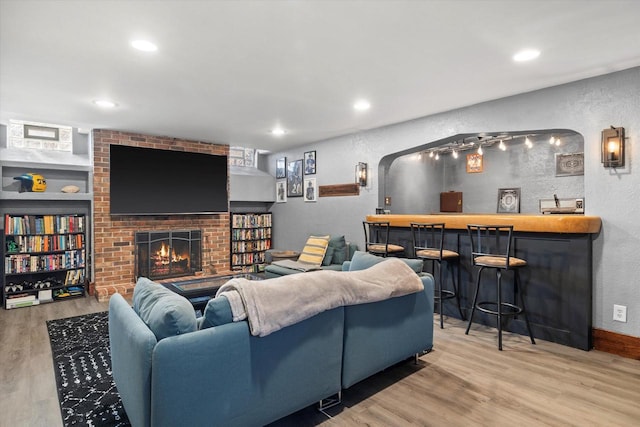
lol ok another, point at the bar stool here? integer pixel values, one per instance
(491, 248)
(428, 245)
(376, 237)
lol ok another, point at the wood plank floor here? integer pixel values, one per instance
(464, 381)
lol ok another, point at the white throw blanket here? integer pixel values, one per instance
(272, 304)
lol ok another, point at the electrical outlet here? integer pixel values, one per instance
(620, 313)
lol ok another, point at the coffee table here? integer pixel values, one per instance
(199, 291)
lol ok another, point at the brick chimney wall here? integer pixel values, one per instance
(113, 244)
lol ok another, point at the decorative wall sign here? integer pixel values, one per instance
(339, 190)
(294, 178)
(310, 190)
(240, 156)
(474, 163)
(509, 200)
(41, 132)
(569, 164)
(39, 136)
(281, 191)
(281, 168)
(310, 163)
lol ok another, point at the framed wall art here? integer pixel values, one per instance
(281, 168)
(294, 178)
(310, 190)
(281, 191)
(474, 163)
(509, 200)
(310, 163)
(569, 164)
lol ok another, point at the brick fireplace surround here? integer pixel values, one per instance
(113, 245)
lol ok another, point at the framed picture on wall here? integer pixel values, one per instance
(310, 163)
(294, 178)
(569, 164)
(281, 191)
(474, 163)
(310, 190)
(281, 168)
(509, 200)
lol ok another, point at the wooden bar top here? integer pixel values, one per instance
(552, 223)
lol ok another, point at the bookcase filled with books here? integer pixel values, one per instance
(250, 240)
(44, 258)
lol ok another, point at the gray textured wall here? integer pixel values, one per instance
(585, 106)
(414, 183)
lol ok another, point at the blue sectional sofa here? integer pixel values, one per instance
(170, 371)
(338, 252)
(381, 334)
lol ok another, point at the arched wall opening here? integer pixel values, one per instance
(410, 181)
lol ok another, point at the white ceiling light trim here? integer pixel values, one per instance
(105, 103)
(361, 105)
(526, 55)
(277, 131)
(144, 45)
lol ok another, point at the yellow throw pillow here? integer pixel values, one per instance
(314, 250)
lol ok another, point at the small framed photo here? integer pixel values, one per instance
(281, 168)
(294, 178)
(569, 164)
(310, 163)
(509, 200)
(281, 191)
(474, 163)
(310, 190)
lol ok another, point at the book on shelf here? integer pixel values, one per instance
(20, 298)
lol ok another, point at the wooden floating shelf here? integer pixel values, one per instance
(338, 190)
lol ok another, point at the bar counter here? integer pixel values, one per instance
(550, 223)
(557, 283)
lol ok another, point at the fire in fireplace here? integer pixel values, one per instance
(171, 253)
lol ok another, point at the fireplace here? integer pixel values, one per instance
(170, 253)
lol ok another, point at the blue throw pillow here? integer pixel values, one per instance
(362, 260)
(217, 312)
(328, 256)
(339, 246)
(164, 312)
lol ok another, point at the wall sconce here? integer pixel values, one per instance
(361, 174)
(613, 147)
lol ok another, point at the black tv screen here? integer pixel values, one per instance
(147, 181)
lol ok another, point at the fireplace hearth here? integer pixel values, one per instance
(168, 253)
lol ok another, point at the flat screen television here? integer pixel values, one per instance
(147, 181)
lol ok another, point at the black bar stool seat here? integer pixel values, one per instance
(491, 249)
(428, 244)
(376, 237)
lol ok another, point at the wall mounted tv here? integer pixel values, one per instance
(147, 181)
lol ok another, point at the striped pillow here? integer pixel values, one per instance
(314, 250)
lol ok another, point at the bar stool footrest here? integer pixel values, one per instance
(513, 310)
(446, 294)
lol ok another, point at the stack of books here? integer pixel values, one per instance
(22, 300)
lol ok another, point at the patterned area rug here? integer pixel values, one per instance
(82, 364)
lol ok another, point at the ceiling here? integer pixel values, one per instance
(229, 71)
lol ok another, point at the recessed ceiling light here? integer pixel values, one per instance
(105, 103)
(362, 105)
(526, 55)
(278, 131)
(144, 45)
